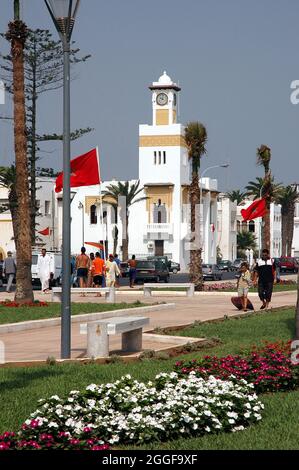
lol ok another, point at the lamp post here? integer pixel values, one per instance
(222, 165)
(63, 13)
(81, 206)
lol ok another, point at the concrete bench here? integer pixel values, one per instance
(98, 333)
(108, 291)
(147, 288)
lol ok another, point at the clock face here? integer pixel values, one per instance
(162, 99)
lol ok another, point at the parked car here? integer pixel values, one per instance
(287, 263)
(174, 267)
(163, 258)
(125, 269)
(237, 263)
(211, 271)
(226, 265)
(151, 270)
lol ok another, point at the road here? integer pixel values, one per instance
(181, 278)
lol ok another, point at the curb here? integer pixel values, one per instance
(36, 324)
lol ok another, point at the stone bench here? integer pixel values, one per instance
(98, 333)
(147, 288)
(109, 292)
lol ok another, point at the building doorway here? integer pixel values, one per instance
(159, 247)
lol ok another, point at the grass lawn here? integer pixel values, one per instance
(21, 388)
(53, 310)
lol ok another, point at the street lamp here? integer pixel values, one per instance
(222, 165)
(63, 13)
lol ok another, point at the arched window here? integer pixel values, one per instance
(251, 226)
(238, 226)
(93, 214)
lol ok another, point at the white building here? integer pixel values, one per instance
(254, 226)
(45, 217)
(160, 224)
(227, 228)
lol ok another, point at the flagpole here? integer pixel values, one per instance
(101, 203)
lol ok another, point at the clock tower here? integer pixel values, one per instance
(164, 101)
(164, 171)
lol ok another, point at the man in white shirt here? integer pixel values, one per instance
(44, 269)
(112, 270)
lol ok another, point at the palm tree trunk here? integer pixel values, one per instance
(284, 231)
(266, 237)
(125, 251)
(297, 312)
(195, 254)
(290, 230)
(17, 35)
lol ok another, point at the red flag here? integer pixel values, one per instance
(257, 209)
(85, 171)
(46, 231)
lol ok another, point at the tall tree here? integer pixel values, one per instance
(255, 188)
(263, 155)
(288, 198)
(130, 193)
(43, 62)
(236, 195)
(196, 140)
(16, 34)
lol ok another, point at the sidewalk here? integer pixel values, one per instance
(43, 343)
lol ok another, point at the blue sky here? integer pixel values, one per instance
(234, 60)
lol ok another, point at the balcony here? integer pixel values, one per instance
(158, 231)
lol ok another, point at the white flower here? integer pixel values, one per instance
(247, 414)
(53, 425)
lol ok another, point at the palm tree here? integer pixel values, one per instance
(196, 140)
(17, 33)
(288, 198)
(130, 192)
(263, 155)
(256, 188)
(236, 195)
(245, 241)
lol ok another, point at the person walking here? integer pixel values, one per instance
(118, 276)
(265, 277)
(112, 270)
(9, 270)
(45, 269)
(90, 271)
(98, 266)
(132, 271)
(82, 267)
(243, 284)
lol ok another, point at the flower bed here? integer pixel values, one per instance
(47, 441)
(12, 303)
(221, 286)
(268, 368)
(127, 411)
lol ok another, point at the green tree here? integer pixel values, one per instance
(236, 195)
(43, 67)
(130, 193)
(196, 141)
(263, 156)
(287, 198)
(245, 241)
(16, 35)
(260, 187)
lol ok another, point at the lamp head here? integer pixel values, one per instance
(63, 14)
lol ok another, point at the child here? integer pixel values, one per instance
(243, 284)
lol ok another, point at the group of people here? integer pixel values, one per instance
(93, 271)
(263, 275)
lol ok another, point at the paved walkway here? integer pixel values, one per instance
(45, 342)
